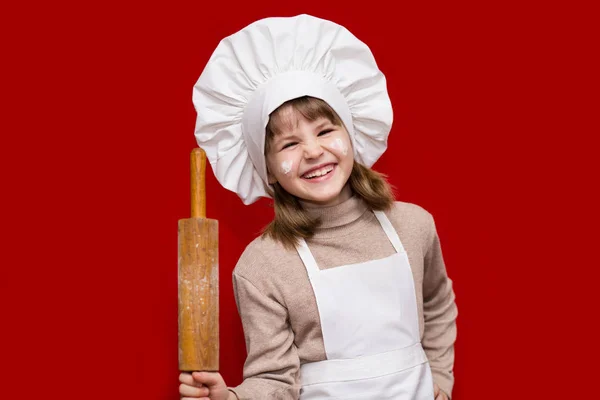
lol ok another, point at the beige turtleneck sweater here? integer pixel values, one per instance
(279, 312)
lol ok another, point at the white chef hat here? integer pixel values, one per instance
(271, 61)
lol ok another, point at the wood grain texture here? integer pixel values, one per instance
(198, 275)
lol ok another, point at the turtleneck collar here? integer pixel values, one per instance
(338, 215)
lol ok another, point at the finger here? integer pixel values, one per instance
(195, 398)
(192, 391)
(441, 396)
(436, 391)
(188, 379)
(207, 378)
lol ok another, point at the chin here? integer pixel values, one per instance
(326, 199)
(322, 200)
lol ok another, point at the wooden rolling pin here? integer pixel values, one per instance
(198, 276)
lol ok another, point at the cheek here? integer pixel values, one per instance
(339, 146)
(286, 166)
(282, 165)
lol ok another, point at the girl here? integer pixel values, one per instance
(345, 295)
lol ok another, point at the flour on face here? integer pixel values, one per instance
(338, 144)
(286, 166)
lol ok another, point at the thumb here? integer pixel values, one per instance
(436, 390)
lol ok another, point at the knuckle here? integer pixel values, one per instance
(184, 377)
(187, 390)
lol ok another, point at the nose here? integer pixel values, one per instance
(312, 149)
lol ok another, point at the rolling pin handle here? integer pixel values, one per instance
(197, 183)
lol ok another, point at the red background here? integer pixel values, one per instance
(495, 105)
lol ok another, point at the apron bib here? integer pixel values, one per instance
(369, 318)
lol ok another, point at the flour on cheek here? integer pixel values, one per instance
(286, 166)
(338, 144)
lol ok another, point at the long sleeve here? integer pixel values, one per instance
(272, 364)
(440, 313)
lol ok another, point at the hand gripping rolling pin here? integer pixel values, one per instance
(198, 278)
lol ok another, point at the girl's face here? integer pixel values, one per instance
(311, 160)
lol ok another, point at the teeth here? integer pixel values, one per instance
(319, 172)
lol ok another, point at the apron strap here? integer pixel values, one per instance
(307, 258)
(389, 230)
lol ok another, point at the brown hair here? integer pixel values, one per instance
(291, 221)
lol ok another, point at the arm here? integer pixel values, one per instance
(272, 364)
(440, 312)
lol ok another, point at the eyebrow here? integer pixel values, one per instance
(322, 124)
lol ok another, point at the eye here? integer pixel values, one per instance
(324, 132)
(288, 145)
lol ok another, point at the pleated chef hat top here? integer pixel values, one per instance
(271, 61)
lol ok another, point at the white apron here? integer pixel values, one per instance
(370, 326)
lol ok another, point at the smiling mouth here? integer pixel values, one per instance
(318, 173)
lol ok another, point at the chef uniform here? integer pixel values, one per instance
(368, 311)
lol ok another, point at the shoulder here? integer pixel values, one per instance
(410, 213)
(257, 252)
(262, 258)
(412, 219)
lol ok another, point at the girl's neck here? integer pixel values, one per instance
(334, 216)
